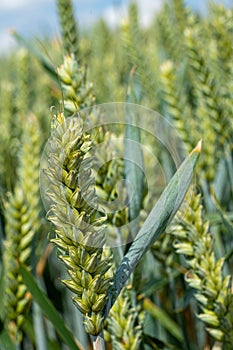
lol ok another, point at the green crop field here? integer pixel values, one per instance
(116, 184)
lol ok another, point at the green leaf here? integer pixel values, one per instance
(164, 319)
(48, 309)
(133, 156)
(158, 344)
(133, 162)
(5, 341)
(156, 223)
(156, 284)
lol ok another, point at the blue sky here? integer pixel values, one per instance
(39, 17)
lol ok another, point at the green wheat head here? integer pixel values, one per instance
(210, 114)
(29, 159)
(132, 41)
(211, 289)
(23, 75)
(79, 227)
(69, 29)
(109, 170)
(22, 222)
(76, 90)
(176, 105)
(170, 24)
(7, 143)
(78, 95)
(19, 235)
(124, 324)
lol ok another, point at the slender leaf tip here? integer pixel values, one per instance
(198, 147)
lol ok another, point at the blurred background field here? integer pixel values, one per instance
(182, 63)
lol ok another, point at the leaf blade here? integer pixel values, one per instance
(165, 320)
(49, 310)
(133, 163)
(133, 155)
(165, 208)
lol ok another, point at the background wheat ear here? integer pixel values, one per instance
(205, 275)
(19, 234)
(69, 28)
(22, 216)
(124, 324)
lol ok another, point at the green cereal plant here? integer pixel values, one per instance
(69, 29)
(79, 228)
(133, 39)
(77, 91)
(17, 249)
(175, 104)
(23, 81)
(124, 323)
(28, 172)
(170, 23)
(205, 273)
(163, 251)
(107, 68)
(22, 222)
(210, 114)
(186, 76)
(108, 172)
(131, 36)
(8, 145)
(221, 31)
(77, 96)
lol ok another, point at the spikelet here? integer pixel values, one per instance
(133, 41)
(124, 325)
(29, 159)
(17, 248)
(79, 227)
(205, 276)
(8, 144)
(175, 104)
(23, 92)
(131, 36)
(221, 30)
(22, 222)
(210, 116)
(70, 35)
(76, 90)
(78, 95)
(108, 81)
(170, 23)
(109, 171)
